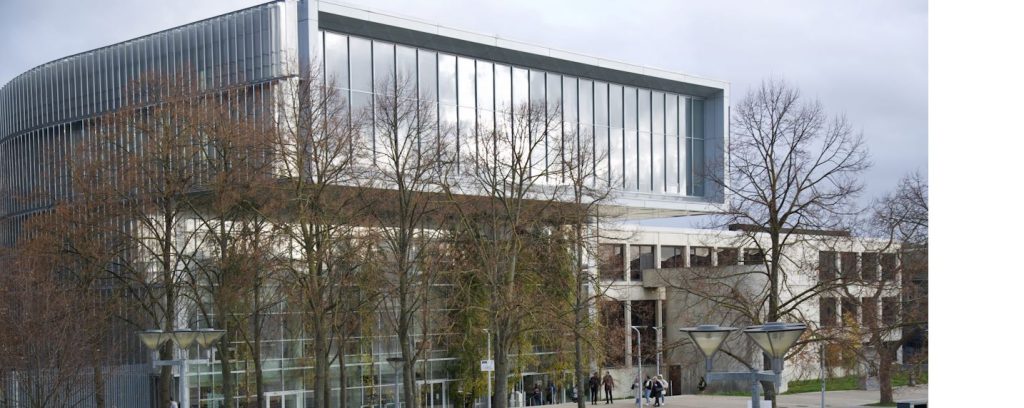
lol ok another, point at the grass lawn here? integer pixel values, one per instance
(846, 383)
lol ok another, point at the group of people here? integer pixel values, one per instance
(542, 397)
(655, 387)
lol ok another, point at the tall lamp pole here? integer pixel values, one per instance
(657, 354)
(639, 367)
(489, 396)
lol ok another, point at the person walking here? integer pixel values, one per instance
(595, 383)
(647, 390)
(659, 388)
(173, 403)
(551, 392)
(609, 384)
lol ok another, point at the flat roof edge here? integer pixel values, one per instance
(408, 23)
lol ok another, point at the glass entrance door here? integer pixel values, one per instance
(434, 395)
(284, 400)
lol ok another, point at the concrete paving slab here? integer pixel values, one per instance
(833, 399)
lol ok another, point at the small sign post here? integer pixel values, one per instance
(486, 365)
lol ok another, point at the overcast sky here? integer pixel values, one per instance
(867, 59)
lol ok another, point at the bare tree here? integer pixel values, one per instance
(503, 190)
(793, 169)
(892, 287)
(587, 189)
(228, 283)
(137, 165)
(56, 320)
(316, 147)
(405, 174)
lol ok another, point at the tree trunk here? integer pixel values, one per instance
(227, 379)
(501, 370)
(319, 365)
(581, 319)
(166, 382)
(884, 375)
(99, 385)
(257, 349)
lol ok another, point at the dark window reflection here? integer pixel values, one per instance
(700, 256)
(672, 257)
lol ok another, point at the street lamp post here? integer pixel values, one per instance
(489, 397)
(639, 367)
(184, 338)
(773, 338)
(657, 354)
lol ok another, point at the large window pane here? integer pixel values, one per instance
(827, 269)
(361, 66)
(555, 144)
(537, 89)
(671, 115)
(446, 79)
(615, 106)
(600, 104)
(383, 64)
(630, 143)
(888, 266)
(428, 75)
(485, 95)
(695, 147)
(658, 112)
(502, 87)
(520, 87)
(672, 257)
(615, 137)
(869, 266)
(336, 59)
(700, 256)
(405, 61)
(658, 162)
(696, 155)
(611, 262)
(601, 152)
(727, 256)
(672, 164)
(485, 85)
(827, 311)
(629, 97)
(569, 101)
(645, 162)
(554, 90)
(467, 82)
(629, 151)
(586, 103)
(644, 110)
(640, 257)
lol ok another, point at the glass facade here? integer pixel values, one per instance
(47, 111)
(643, 140)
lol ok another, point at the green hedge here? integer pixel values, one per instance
(850, 382)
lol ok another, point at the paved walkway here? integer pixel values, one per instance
(833, 399)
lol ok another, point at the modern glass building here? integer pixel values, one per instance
(661, 135)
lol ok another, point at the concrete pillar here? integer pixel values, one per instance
(309, 35)
(660, 324)
(628, 318)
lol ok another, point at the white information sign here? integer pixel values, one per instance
(486, 365)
